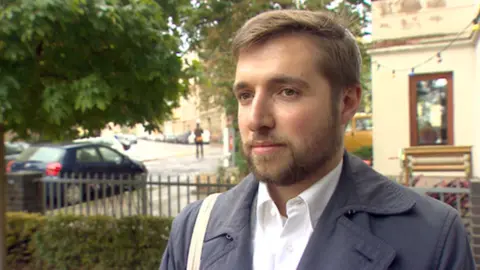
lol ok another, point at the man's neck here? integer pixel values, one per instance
(282, 194)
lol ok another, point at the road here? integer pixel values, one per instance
(168, 159)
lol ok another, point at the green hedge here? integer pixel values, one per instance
(21, 229)
(78, 242)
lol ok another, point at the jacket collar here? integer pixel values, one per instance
(360, 189)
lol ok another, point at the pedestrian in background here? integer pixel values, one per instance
(198, 140)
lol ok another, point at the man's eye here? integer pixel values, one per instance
(244, 96)
(289, 92)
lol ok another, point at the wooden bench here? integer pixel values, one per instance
(439, 160)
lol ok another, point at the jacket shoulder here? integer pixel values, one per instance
(432, 230)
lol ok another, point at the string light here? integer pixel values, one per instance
(437, 55)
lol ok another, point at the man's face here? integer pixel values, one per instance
(288, 124)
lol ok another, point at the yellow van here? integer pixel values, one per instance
(359, 132)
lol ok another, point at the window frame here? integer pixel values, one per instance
(413, 79)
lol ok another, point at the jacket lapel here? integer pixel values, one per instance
(341, 239)
(345, 246)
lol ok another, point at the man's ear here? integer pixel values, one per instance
(349, 103)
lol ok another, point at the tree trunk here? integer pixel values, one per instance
(3, 202)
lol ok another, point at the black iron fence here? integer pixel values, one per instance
(145, 195)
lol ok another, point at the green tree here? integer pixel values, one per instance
(211, 24)
(69, 64)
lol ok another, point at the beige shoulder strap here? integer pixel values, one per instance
(196, 243)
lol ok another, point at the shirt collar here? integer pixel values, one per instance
(316, 196)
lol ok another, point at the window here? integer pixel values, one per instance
(431, 109)
(42, 154)
(348, 128)
(87, 155)
(363, 124)
(110, 155)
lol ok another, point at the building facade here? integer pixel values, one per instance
(425, 77)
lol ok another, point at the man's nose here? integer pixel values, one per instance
(261, 116)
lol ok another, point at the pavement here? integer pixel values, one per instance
(167, 159)
(148, 151)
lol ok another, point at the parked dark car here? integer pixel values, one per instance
(76, 160)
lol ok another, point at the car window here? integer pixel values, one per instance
(42, 154)
(110, 155)
(349, 127)
(363, 124)
(87, 155)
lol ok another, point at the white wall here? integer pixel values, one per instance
(476, 112)
(391, 99)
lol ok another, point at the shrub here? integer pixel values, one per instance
(80, 242)
(21, 227)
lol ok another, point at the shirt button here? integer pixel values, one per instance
(273, 211)
(289, 248)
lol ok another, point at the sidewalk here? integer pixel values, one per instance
(149, 154)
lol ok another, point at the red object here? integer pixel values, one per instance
(369, 163)
(9, 166)
(53, 169)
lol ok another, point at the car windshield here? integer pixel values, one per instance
(42, 154)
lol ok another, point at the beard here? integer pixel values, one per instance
(294, 162)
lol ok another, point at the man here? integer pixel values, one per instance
(198, 140)
(307, 203)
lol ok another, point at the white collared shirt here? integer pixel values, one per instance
(278, 241)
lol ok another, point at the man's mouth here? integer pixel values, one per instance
(262, 148)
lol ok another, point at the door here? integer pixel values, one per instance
(113, 162)
(88, 163)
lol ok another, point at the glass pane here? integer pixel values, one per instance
(348, 128)
(432, 111)
(42, 154)
(87, 155)
(110, 155)
(363, 124)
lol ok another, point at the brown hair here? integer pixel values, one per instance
(341, 62)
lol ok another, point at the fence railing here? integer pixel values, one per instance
(452, 191)
(158, 195)
(146, 195)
